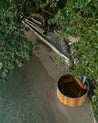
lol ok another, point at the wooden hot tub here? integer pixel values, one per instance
(70, 91)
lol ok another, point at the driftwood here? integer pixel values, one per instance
(45, 40)
(36, 15)
(36, 21)
(35, 26)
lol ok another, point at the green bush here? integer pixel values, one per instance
(80, 19)
(94, 102)
(13, 45)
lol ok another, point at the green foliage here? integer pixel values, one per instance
(79, 18)
(48, 8)
(58, 61)
(95, 103)
(13, 45)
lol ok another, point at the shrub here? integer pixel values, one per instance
(13, 45)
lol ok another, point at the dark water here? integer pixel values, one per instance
(69, 87)
(71, 90)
